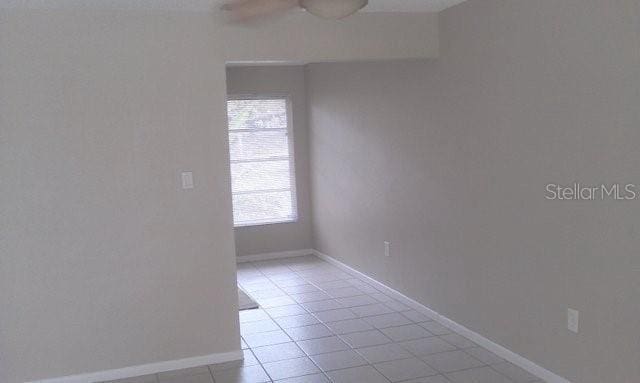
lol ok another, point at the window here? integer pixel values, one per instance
(262, 171)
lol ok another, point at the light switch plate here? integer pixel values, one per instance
(573, 320)
(187, 180)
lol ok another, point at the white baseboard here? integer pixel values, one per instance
(276, 255)
(497, 349)
(171, 365)
(146, 369)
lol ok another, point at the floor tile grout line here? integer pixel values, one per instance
(261, 365)
(325, 324)
(251, 348)
(283, 330)
(334, 334)
(342, 340)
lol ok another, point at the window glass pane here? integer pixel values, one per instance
(261, 166)
(262, 207)
(257, 114)
(259, 176)
(258, 145)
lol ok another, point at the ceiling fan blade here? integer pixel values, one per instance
(333, 9)
(242, 10)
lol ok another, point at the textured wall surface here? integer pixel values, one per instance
(106, 261)
(448, 159)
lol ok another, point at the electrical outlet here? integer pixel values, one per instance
(387, 248)
(573, 320)
(187, 180)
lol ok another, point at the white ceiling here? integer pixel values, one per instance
(208, 5)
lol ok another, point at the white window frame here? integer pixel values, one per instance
(292, 162)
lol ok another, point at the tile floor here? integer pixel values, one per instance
(319, 324)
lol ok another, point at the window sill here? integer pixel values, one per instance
(267, 223)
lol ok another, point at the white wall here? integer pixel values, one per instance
(302, 38)
(281, 80)
(104, 261)
(448, 159)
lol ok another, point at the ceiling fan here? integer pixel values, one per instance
(328, 9)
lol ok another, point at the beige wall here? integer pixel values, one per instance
(281, 80)
(302, 38)
(105, 262)
(448, 159)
